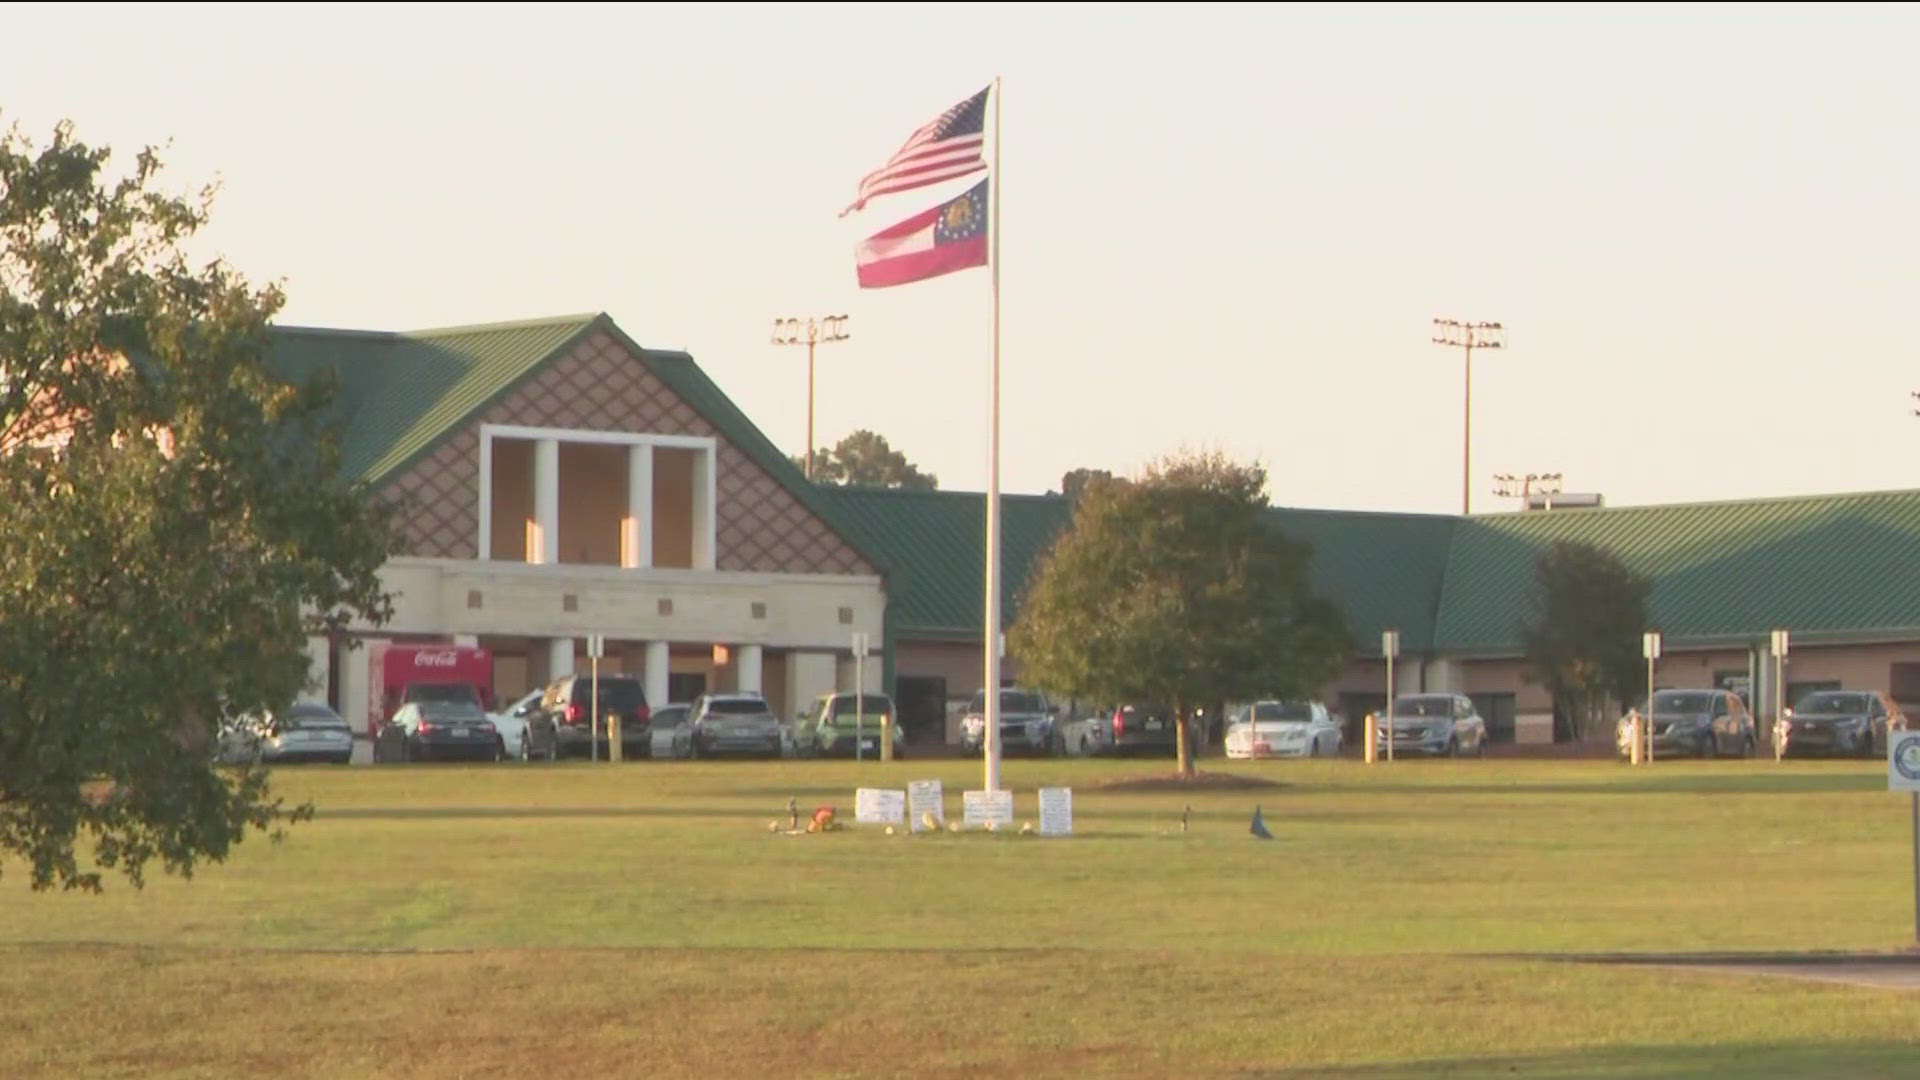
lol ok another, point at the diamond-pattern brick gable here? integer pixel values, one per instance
(599, 384)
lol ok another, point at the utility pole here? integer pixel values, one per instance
(1468, 336)
(813, 332)
(1509, 486)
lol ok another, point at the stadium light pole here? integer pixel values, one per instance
(1509, 486)
(1468, 336)
(811, 333)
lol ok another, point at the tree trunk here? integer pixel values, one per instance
(1180, 735)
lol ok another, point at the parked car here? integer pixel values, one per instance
(306, 731)
(848, 725)
(563, 725)
(671, 736)
(1282, 729)
(511, 724)
(1142, 728)
(1838, 722)
(1029, 723)
(1703, 723)
(1437, 725)
(734, 724)
(438, 730)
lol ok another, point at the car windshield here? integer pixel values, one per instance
(1011, 701)
(736, 706)
(450, 710)
(443, 692)
(312, 717)
(1423, 707)
(1280, 710)
(1833, 702)
(851, 706)
(1682, 702)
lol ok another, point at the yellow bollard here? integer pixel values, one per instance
(613, 736)
(1373, 738)
(1635, 750)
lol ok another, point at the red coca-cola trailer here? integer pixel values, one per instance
(395, 666)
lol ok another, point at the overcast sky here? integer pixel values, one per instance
(1222, 227)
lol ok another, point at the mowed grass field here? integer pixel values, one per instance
(641, 920)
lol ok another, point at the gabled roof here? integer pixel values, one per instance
(1382, 569)
(400, 394)
(1828, 567)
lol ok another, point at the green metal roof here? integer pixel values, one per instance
(1383, 569)
(400, 394)
(1833, 567)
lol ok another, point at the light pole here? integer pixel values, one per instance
(1650, 648)
(813, 332)
(1509, 486)
(1781, 640)
(1468, 336)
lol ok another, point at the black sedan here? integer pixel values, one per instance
(438, 731)
(1850, 722)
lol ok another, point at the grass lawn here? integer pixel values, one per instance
(640, 920)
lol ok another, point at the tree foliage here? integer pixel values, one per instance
(1074, 482)
(1582, 634)
(1172, 589)
(863, 459)
(173, 525)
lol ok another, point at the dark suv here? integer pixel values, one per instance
(562, 725)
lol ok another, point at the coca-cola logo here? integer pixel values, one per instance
(449, 658)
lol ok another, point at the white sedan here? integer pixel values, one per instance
(1282, 729)
(511, 723)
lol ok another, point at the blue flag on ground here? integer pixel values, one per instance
(1259, 828)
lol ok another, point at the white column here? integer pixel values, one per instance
(636, 530)
(703, 524)
(809, 674)
(545, 546)
(319, 667)
(656, 674)
(559, 658)
(749, 670)
(356, 690)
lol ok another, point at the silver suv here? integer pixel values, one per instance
(1440, 725)
(733, 724)
(1028, 722)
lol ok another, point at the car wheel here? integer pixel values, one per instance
(1480, 747)
(1866, 745)
(1453, 747)
(1710, 748)
(344, 759)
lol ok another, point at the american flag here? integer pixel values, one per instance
(941, 150)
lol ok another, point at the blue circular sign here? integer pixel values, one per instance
(1906, 757)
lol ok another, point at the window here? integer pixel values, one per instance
(1904, 680)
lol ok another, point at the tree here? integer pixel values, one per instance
(1582, 635)
(864, 459)
(173, 525)
(1172, 589)
(1075, 481)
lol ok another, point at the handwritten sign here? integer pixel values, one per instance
(983, 808)
(925, 797)
(879, 806)
(1056, 811)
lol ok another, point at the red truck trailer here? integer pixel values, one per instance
(439, 670)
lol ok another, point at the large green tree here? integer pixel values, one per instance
(1173, 589)
(1583, 632)
(173, 524)
(864, 459)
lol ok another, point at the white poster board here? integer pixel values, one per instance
(983, 808)
(1903, 761)
(879, 806)
(925, 797)
(1056, 811)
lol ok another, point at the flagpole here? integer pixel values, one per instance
(991, 744)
